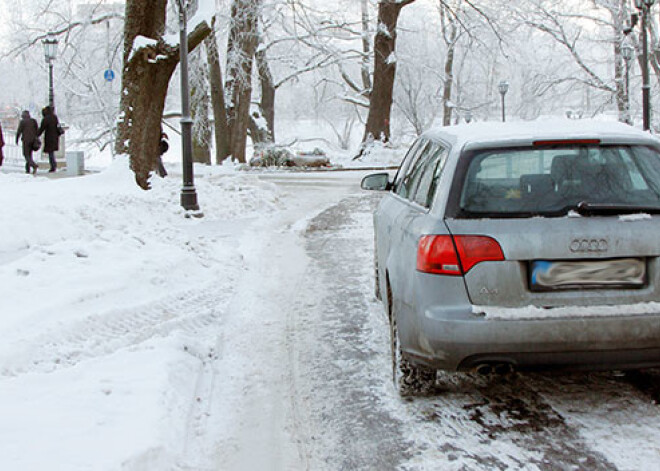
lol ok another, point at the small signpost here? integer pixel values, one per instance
(109, 75)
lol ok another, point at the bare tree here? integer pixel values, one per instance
(241, 47)
(449, 22)
(413, 98)
(294, 40)
(380, 103)
(217, 90)
(565, 27)
(199, 91)
(268, 89)
(149, 61)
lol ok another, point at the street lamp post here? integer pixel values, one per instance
(50, 53)
(188, 192)
(503, 87)
(628, 52)
(643, 6)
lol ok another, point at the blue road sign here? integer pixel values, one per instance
(109, 75)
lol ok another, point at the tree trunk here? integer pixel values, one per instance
(201, 149)
(366, 48)
(241, 47)
(619, 80)
(217, 100)
(145, 80)
(449, 20)
(267, 103)
(199, 92)
(380, 106)
(258, 133)
(619, 14)
(147, 20)
(449, 82)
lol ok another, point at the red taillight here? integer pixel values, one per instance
(440, 254)
(437, 254)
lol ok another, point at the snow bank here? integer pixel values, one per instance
(101, 230)
(380, 154)
(101, 352)
(99, 415)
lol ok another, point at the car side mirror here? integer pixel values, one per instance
(376, 181)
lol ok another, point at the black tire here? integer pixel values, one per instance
(409, 379)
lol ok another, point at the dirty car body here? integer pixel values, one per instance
(523, 245)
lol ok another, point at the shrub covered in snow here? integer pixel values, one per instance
(272, 156)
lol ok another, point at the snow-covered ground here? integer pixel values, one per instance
(107, 295)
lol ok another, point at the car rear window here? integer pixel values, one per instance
(552, 181)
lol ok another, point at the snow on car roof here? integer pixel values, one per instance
(520, 132)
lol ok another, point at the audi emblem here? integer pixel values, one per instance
(589, 245)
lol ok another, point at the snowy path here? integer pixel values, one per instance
(307, 387)
(259, 421)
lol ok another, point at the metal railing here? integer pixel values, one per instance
(13, 153)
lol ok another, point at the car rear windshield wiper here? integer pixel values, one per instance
(587, 209)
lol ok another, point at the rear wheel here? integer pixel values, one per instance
(409, 379)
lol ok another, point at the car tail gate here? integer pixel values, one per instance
(553, 261)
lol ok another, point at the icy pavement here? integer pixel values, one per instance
(356, 420)
(136, 339)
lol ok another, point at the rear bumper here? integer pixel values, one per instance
(462, 340)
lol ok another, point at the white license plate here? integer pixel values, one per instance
(620, 272)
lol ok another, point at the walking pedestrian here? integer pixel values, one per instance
(2, 144)
(50, 127)
(27, 131)
(163, 147)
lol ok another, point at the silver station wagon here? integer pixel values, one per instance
(512, 246)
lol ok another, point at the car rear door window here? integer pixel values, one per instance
(405, 186)
(433, 165)
(418, 170)
(410, 156)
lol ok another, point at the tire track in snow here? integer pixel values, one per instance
(198, 447)
(189, 312)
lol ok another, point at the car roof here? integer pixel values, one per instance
(525, 133)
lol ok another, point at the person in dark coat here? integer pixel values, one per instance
(2, 144)
(27, 131)
(163, 146)
(50, 126)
